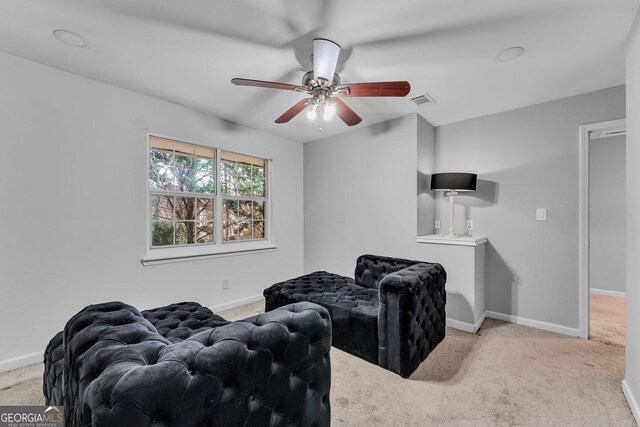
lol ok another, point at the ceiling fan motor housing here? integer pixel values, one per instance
(307, 80)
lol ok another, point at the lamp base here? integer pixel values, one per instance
(454, 235)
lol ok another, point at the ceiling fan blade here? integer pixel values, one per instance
(293, 111)
(269, 85)
(374, 89)
(346, 113)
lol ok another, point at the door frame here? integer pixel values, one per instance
(584, 136)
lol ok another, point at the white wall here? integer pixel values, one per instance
(73, 214)
(607, 214)
(527, 159)
(631, 384)
(360, 195)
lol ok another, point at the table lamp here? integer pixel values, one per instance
(453, 183)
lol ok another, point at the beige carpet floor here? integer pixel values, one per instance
(607, 319)
(506, 375)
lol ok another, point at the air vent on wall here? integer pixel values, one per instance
(423, 99)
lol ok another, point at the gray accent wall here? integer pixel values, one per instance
(74, 214)
(527, 159)
(632, 356)
(607, 214)
(360, 197)
(427, 156)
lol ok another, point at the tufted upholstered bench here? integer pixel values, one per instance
(392, 314)
(182, 365)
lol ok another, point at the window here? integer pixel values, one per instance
(203, 196)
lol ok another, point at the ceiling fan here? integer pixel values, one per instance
(323, 84)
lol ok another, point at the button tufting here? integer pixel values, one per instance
(305, 351)
(416, 288)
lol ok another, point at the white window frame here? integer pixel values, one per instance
(218, 248)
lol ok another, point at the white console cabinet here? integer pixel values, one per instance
(463, 258)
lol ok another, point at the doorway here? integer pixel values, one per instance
(603, 232)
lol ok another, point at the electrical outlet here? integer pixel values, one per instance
(225, 284)
(541, 214)
(437, 224)
(469, 226)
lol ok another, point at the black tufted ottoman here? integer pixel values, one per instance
(392, 314)
(182, 365)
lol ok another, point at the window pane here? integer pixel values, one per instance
(229, 180)
(245, 210)
(204, 210)
(161, 233)
(185, 208)
(243, 171)
(161, 171)
(244, 186)
(185, 232)
(204, 176)
(230, 220)
(229, 168)
(258, 182)
(245, 231)
(162, 207)
(230, 233)
(185, 173)
(204, 232)
(258, 230)
(258, 210)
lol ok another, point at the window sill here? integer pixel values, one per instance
(170, 256)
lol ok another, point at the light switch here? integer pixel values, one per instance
(437, 224)
(541, 214)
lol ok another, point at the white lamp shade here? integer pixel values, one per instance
(325, 58)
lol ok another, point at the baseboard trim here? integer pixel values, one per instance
(552, 327)
(631, 399)
(479, 322)
(463, 326)
(466, 326)
(608, 293)
(237, 303)
(20, 361)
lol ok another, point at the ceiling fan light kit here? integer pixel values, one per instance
(323, 85)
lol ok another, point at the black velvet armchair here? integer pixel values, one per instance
(182, 365)
(392, 314)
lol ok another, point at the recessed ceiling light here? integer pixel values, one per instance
(510, 53)
(70, 38)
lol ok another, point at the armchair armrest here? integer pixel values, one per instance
(412, 317)
(270, 369)
(53, 371)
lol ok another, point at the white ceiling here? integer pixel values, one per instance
(188, 51)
